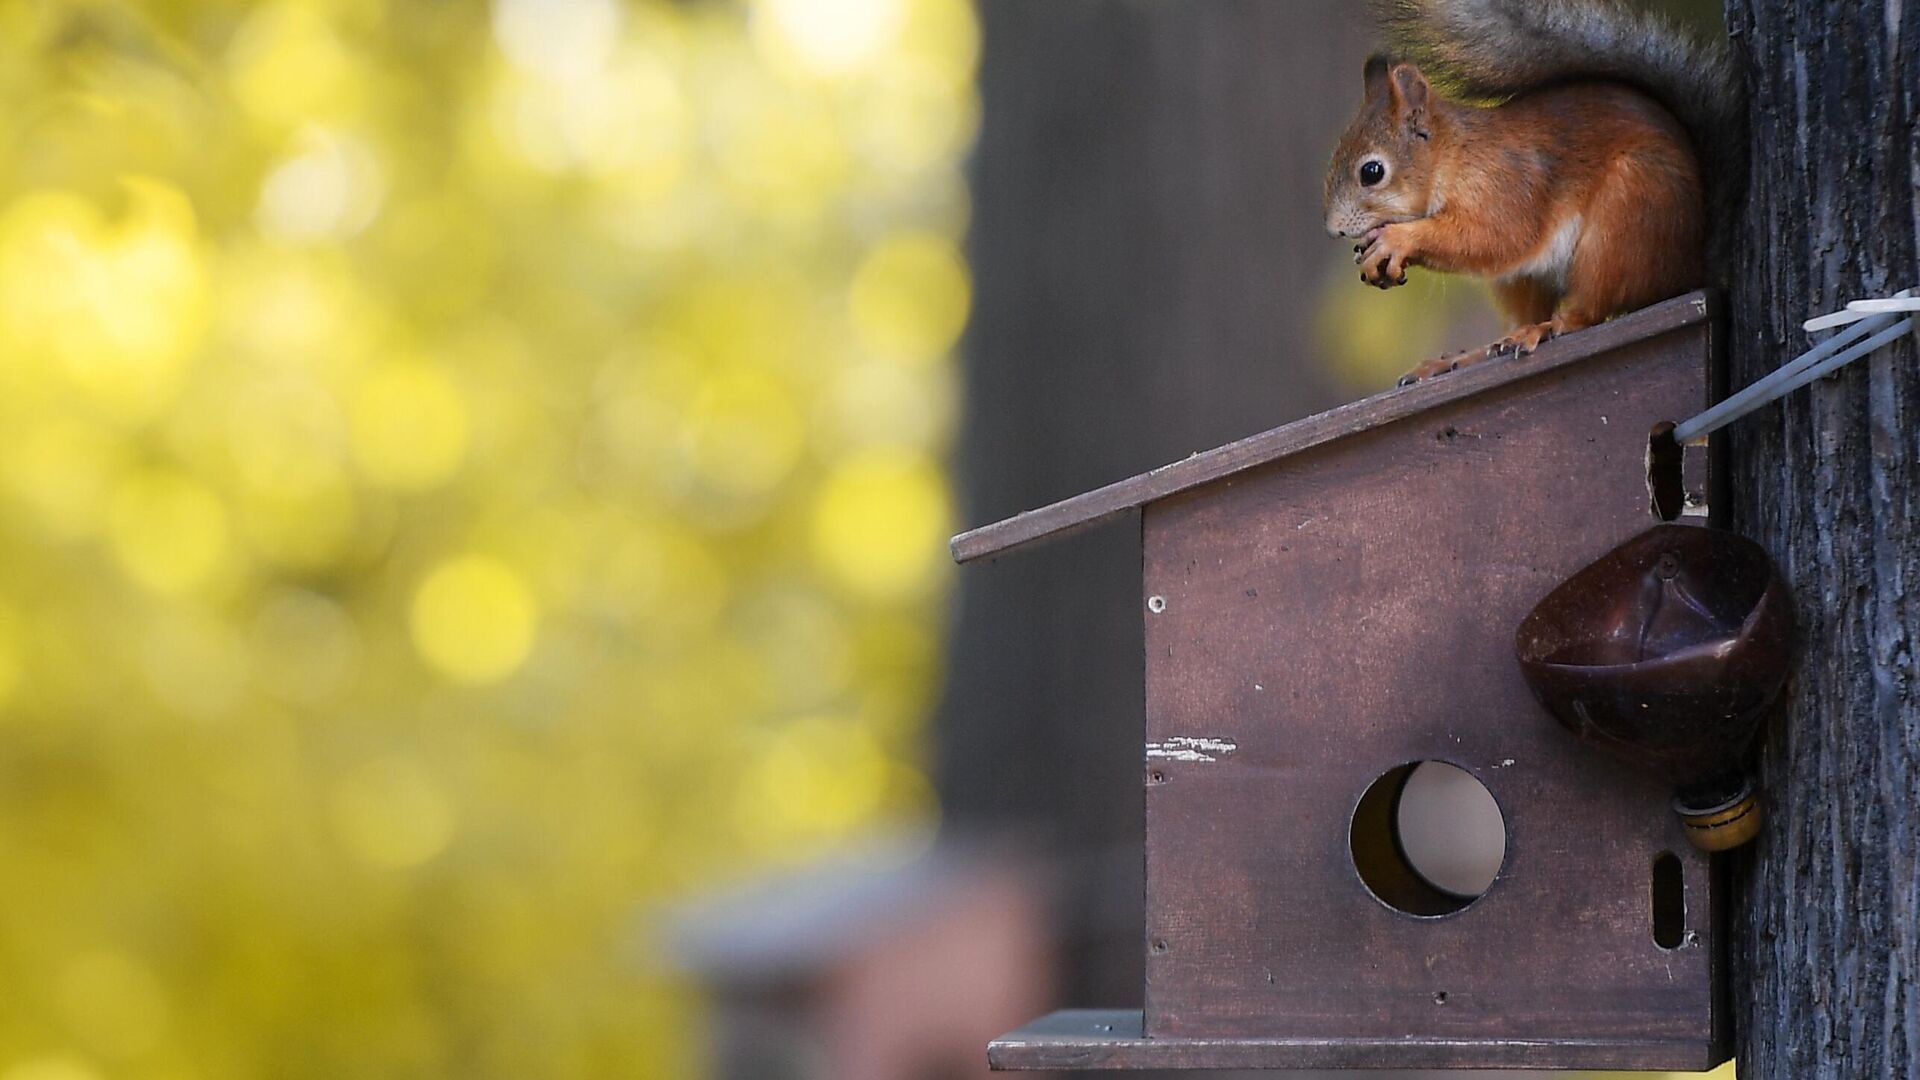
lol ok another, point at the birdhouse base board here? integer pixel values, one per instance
(1113, 1039)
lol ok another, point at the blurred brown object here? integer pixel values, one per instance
(884, 964)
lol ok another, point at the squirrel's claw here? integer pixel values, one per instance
(1385, 273)
(1524, 340)
(1384, 259)
(1439, 365)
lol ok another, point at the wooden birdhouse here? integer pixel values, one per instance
(1332, 603)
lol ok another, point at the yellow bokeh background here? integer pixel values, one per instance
(473, 476)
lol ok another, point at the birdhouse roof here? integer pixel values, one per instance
(1205, 467)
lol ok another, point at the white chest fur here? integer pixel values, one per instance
(1549, 264)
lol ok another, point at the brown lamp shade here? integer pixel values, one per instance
(1665, 652)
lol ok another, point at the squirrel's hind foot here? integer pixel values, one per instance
(1519, 343)
(1440, 365)
(1524, 340)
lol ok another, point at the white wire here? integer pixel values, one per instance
(1904, 300)
(1874, 320)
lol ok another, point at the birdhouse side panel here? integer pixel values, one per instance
(1317, 623)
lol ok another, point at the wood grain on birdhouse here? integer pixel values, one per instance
(1331, 605)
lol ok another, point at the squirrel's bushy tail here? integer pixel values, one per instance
(1499, 48)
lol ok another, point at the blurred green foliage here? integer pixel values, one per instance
(470, 474)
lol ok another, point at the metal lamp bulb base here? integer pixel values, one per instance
(1726, 823)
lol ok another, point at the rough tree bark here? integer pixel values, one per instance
(1827, 959)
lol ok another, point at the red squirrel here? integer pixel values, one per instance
(1575, 174)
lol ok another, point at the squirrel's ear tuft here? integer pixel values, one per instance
(1410, 93)
(1376, 73)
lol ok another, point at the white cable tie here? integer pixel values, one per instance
(1761, 391)
(1874, 320)
(1903, 300)
(1832, 364)
(1886, 307)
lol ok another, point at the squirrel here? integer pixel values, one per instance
(1591, 148)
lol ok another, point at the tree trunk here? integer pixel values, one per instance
(1827, 956)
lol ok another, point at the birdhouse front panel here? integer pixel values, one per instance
(1320, 624)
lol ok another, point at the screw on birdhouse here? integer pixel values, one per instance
(1156, 604)
(1159, 945)
(1439, 997)
(1156, 776)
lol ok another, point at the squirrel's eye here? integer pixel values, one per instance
(1372, 173)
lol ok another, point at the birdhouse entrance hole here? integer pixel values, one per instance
(1428, 839)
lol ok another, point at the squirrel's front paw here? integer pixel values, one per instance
(1383, 257)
